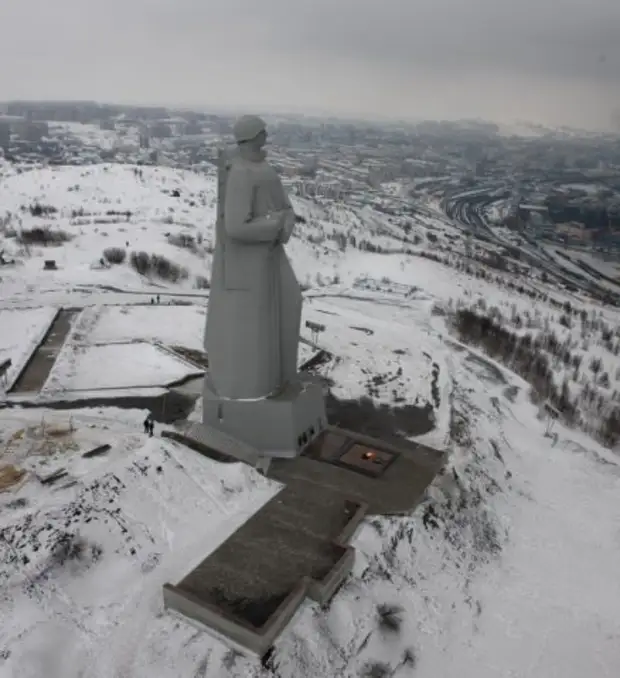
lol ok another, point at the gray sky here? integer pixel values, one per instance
(550, 61)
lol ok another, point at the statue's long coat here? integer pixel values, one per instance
(254, 311)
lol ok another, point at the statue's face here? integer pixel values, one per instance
(261, 139)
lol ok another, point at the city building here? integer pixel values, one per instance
(35, 131)
(574, 231)
(5, 136)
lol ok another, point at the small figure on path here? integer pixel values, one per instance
(147, 424)
(151, 428)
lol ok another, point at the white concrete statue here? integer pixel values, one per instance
(254, 312)
(253, 394)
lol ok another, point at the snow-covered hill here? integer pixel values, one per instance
(510, 566)
(75, 214)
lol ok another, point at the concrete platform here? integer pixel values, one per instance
(296, 546)
(395, 487)
(280, 425)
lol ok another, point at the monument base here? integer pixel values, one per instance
(277, 426)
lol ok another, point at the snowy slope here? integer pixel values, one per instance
(484, 590)
(165, 212)
(509, 568)
(104, 206)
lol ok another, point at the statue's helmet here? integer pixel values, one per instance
(248, 127)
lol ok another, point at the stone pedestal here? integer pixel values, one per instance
(277, 426)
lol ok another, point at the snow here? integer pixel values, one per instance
(91, 189)
(400, 346)
(91, 135)
(136, 537)
(608, 268)
(438, 281)
(524, 129)
(543, 596)
(105, 206)
(585, 188)
(519, 575)
(180, 325)
(530, 606)
(306, 351)
(114, 366)
(20, 333)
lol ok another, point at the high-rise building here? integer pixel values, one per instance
(35, 131)
(5, 136)
(145, 139)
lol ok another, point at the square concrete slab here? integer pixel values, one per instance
(369, 460)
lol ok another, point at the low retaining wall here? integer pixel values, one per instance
(256, 640)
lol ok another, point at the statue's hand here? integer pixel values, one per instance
(275, 218)
(287, 226)
(278, 217)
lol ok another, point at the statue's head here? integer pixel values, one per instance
(251, 130)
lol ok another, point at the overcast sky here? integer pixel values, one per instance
(550, 61)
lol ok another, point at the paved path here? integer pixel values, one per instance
(39, 366)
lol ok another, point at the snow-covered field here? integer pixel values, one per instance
(84, 211)
(509, 568)
(87, 210)
(133, 365)
(170, 325)
(487, 592)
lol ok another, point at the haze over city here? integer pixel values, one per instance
(554, 62)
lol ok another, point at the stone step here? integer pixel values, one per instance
(222, 442)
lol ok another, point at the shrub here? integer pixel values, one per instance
(610, 428)
(43, 235)
(115, 255)
(38, 210)
(390, 617)
(157, 265)
(140, 262)
(167, 270)
(525, 355)
(409, 657)
(184, 240)
(376, 670)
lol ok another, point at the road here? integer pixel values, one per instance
(467, 210)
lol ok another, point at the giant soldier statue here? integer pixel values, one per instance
(253, 390)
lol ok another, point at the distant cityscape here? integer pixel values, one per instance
(549, 185)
